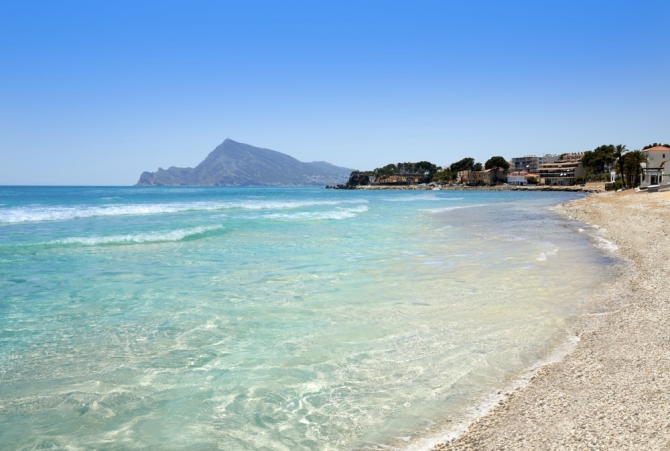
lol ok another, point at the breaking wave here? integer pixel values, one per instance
(344, 213)
(440, 210)
(63, 213)
(149, 237)
(423, 197)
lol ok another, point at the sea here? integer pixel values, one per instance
(261, 318)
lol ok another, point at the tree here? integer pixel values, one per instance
(619, 151)
(444, 175)
(358, 178)
(597, 159)
(386, 171)
(477, 167)
(633, 167)
(466, 164)
(425, 166)
(649, 146)
(496, 163)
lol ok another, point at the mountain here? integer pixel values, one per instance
(238, 164)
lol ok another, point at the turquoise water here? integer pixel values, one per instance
(272, 319)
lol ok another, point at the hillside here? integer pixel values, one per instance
(237, 164)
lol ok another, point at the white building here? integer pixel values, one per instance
(564, 171)
(531, 163)
(657, 169)
(520, 178)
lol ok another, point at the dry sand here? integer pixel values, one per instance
(613, 391)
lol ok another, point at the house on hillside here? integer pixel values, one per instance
(657, 169)
(563, 171)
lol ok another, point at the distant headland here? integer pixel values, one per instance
(237, 164)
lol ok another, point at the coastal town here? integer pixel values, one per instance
(611, 167)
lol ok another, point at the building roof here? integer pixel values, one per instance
(657, 149)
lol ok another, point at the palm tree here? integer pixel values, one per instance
(619, 151)
(638, 158)
(632, 165)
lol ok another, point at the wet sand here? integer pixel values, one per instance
(613, 391)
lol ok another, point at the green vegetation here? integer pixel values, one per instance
(598, 160)
(425, 168)
(444, 176)
(649, 146)
(466, 164)
(619, 151)
(358, 178)
(597, 164)
(632, 167)
(497, 164)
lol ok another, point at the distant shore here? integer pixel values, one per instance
(589, 188)
(613, 390)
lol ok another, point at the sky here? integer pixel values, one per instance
(96, 92)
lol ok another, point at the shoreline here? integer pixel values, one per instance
(589, 188)
(612, 390)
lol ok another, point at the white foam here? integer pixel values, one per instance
(439, 210)
(149, 237)
(424, 197)
(553, 251)
(605, 245)
(344, 213)
(62, 213)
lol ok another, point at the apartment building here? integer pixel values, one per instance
(531, 163)
(563, 171)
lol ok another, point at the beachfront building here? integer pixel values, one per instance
(531, 163)
(401, 179)
(495, 176)
(485, 177)
(657, 169)
(520, 178)
(563, 171)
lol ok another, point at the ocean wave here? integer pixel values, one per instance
(149, 237)
(63, 213)
(423, 197)
(344, 213)
(457, 207)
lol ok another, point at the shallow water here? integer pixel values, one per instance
(272, 318)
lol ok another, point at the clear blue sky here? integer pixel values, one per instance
(95, 92)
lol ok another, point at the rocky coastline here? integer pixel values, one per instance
(612, 392)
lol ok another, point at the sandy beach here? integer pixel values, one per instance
(613, 391)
